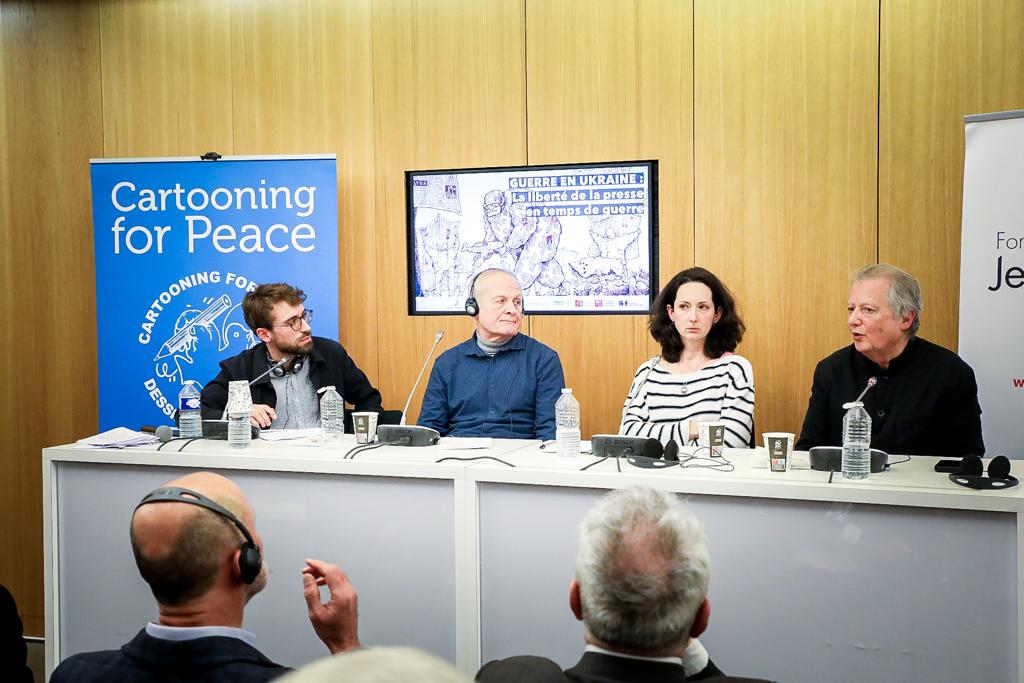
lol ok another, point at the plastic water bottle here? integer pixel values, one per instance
(239, 431)
(856, 442)
(332, 416)
(190, 414)
(567, 424)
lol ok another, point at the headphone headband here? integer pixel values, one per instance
(176, 494)
(250, 561)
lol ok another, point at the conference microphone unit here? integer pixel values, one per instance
(218, 430)
(615, 446)
(212, 429)
(412, 435)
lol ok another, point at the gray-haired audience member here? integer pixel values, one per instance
(202, 575)
(641, 591)
(926, 398)
(379, 665)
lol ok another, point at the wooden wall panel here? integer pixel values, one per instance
(302, 84)
(52, 126)
(448, 92)
(611, 81)
(785, 159)
(940, 60)
(166, 78)
(762, 115)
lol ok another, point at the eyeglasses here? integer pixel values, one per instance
(296, 322)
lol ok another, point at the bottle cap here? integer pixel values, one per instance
(566, 391)
(851, 404)
(323, 389)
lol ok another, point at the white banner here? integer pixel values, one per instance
(992, 275)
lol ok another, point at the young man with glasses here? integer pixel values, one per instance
(291, 365)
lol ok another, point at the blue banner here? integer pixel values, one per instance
(178, 243)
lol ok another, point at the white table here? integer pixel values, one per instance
(472, 560)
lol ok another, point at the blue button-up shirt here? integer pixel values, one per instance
(510, 395)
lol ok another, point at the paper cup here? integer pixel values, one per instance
(780, 449)
(365, 425)
(711, 435)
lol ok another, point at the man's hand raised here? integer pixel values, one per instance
(336, 621)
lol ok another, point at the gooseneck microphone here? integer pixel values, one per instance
(651, 364)
(437, 340)
(412, 435)
(872, 381)
(275, 366)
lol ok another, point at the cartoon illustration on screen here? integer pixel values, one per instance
(589, 241)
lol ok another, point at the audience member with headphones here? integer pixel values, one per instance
(196, 546)
(289, 367)
(500, 382)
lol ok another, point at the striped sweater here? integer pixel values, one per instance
(661, 403)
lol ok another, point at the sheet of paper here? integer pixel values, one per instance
(458, 443)
(118, 437)
(289, 434)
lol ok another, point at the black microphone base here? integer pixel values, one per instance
(405, 435)
(218, 430)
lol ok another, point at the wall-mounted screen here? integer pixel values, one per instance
(581, 238)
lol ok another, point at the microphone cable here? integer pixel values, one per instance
(710, 462)
(186, 439)
(362, 448)
(478, 457)
(618, 464)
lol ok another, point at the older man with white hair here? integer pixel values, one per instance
(500, 382)
(925, 401)
(641, 587)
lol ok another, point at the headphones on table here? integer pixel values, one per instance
(249, 561)
(972, 476)
(280, 371)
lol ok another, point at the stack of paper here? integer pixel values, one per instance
(119, 437)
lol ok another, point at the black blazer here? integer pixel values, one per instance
(329, 365)
(593, 667)
(217, 659)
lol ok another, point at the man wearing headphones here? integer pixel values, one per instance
(498, 383)
(193, 546)
(289, 367)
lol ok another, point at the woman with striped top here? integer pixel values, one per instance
(697, 377)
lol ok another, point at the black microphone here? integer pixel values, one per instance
(273, 367)
(412, 435)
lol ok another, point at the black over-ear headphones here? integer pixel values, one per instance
(972, 476)
(280, 370)
(250, 561)
(471, 305)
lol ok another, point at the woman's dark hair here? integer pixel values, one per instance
(723, 336)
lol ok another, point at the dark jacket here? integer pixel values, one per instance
(147, 660)
(13, 651)
(593, 667)
(925, 402)
(330, 365)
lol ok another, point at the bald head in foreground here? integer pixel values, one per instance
(641, 584)
(196, 545)
(500, 382)
(379, 665)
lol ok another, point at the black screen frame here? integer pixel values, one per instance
(653, 229)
